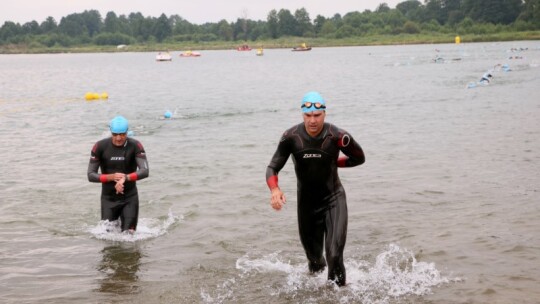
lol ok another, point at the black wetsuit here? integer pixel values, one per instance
(322, 206)
(125, 159)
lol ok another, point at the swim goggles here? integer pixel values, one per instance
(119, 134)
(317, 105)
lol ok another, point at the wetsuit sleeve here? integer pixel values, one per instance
(277, 162)
(142, 164)
(93, 166)
(352, 150)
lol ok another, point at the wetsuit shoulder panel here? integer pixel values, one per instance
(354, 153)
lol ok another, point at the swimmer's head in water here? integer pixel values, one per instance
(119, 124)
(313, 101)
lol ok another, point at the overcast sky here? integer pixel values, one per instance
(196, 11)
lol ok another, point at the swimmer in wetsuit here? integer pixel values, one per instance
(322, 207)
(486, 77)
(122, 161)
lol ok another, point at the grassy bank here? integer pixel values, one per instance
(287, 42)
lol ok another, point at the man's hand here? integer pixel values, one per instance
(120, 184)
(119, 176)
(277, 200)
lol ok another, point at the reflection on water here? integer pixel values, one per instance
(120, 265)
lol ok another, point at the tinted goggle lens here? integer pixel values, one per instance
(317, 105)
(119, 134)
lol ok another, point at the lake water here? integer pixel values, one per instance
(445, 209)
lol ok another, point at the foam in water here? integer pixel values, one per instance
(147, 228)
(395, 273)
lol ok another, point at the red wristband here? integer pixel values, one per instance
(103, 178)
(272, 181)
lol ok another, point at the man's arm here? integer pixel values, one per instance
(93, 166)
(93, 175)
(142, 170)
(354, 155)
(142, 165)
(277, 162)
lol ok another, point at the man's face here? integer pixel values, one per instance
(314, 121)
(119, 139)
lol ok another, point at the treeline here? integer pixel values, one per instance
(408, 17)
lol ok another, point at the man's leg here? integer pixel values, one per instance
(336, 223)
(130, 214)
(312, 237)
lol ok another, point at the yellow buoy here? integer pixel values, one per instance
(88, 96)
(458, 40)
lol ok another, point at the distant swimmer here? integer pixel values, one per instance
(486, 78)
(502, 67)
(122, 161)
(438, 59)
(322, 207)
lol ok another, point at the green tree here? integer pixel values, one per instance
(452, 12)
(411, 27)
(272, 24)
(92, 22)
(345, 31)
(355, 19)
(328, 28)
(49, 25)
(162, 29)
(123, 25)
(181, 26)
(492, 11)
(107, 38)
(286, 23)
(318, 23)
(111, 23)
(9, 30)
(406, 7)
(31, 28)
(240, 29)
(140, 26)
(258, 30)
(393, 18)
(531, 12)
(338, 21)
(81, 25)
(465, 26)
(225, 31)
(304, 28)
(72, 25)
(382, 8)
(434, 11)
(433, 26)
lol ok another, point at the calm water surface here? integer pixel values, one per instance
(445, 209)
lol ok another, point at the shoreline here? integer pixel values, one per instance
(283, 43)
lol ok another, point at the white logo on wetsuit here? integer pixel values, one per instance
(312, 155)
(117, 158)
(345, 140)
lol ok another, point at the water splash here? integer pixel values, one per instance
(147, 228)
(394, 274)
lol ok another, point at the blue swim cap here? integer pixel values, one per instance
(312, 97)
(119, 125)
